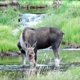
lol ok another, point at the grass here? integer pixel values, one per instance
(56, 76)
(66, 17)
(44, 57)
(32, 2)
(10, 60)
(9, 16)
(8, 41)
(71, 74)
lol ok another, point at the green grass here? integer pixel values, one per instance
(66, 17)
(10, 60)
(44, 57)
(9, 16)
(71, 74)
(34, 2)
(8, 41)
(57, 76)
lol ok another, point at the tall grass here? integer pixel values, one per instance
(56, 76)
(66, 17)
(34, 2)
(9, 16)
(7, 39)
(71, 74)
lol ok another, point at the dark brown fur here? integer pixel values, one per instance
(45, 37)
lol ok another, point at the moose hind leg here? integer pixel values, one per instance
(57, 60)
(56, 57)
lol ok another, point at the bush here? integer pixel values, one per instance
(67, 19)
(7, 39)
(9, 16)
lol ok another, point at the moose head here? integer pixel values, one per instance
(31, 54)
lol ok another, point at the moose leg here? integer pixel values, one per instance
(57, 60)
(23, 55)
(35, 50)
(23, 59)
(56, 57)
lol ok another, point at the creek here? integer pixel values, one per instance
(12, 65)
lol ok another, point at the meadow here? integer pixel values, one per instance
(66, 17)
(68, 75)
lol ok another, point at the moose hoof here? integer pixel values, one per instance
(23, 66)
(57, 69)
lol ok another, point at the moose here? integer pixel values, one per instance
(33, 39)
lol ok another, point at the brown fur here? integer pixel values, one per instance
(45, 37)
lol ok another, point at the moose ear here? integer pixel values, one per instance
(34, 45)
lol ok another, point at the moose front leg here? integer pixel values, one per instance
(23, 55)
(35, 50)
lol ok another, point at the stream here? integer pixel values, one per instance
(69, 58)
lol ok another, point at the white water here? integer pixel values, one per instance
(28, 20)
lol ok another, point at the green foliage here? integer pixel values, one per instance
(71, 74)
(62, 8)
(56, 76)
(44, 57)
(9, 16)
(10, 60)
(66, 17)
(73, 0)
(2, 0)
(5, 45)
(73, 10)
(7, 39)
(72, 30)
(34, 2)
